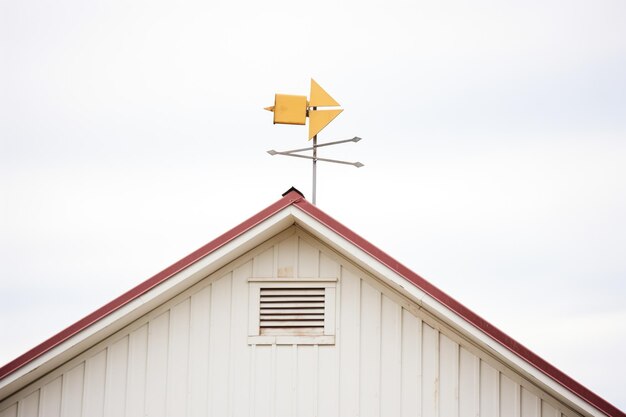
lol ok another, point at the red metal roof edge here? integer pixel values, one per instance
(147, 285)
(294, 197)
(454, 305)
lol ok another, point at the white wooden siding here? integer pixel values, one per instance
(51, 399)
(190, 357)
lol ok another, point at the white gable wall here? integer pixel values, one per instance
(190, 356)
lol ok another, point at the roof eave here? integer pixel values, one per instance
(459, 316)
(142, 298)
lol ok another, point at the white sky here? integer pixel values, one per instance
(132, 132)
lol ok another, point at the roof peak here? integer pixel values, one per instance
(293, 189)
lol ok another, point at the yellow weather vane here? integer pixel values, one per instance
(293, 110)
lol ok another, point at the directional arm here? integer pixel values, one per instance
(294, 153)
(337, 142)
(356, 164)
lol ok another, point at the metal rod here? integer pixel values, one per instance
(336, 161)
(337, 142)
(314, 167)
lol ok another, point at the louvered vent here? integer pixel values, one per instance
(292, 311)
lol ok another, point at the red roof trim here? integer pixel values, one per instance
(295, 198)
(147, 285)
(461, 310)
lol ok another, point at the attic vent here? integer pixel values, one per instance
(293, 311)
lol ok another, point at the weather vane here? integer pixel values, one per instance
(293, 110)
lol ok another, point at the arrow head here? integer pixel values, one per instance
(358, 164)
(272, 152)
(319, 97)
(356, 139)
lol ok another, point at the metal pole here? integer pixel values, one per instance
(314, 167)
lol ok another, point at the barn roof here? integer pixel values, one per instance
(294, 208)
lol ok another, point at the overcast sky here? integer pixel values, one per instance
(494, 144)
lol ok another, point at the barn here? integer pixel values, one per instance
(289, 313)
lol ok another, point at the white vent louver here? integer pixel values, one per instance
(293, 311)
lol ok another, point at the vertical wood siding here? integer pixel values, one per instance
(190, 357)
